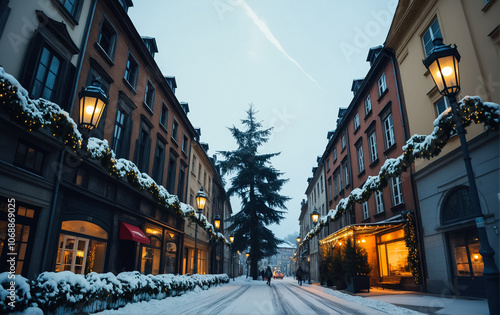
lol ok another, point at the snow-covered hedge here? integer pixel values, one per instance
(66, 292)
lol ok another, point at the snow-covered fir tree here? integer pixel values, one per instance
(257, 184)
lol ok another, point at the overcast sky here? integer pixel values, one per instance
(294, 60)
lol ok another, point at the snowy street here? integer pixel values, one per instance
(245, 296)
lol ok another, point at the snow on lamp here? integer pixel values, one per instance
(442, 64)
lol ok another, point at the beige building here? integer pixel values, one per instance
(448, 232)
(201, 172)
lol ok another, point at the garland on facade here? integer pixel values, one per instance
(42, 114)
(411, 241)
(470, 109)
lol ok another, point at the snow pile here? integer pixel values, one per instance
(66, 292)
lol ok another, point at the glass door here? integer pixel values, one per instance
(72, 254)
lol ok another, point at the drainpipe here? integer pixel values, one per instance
(418, 221)
(79, 63)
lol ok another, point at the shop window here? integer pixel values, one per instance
(171, 240)
(150, 254)
(393, 259)
(465, 252)
(81, 248)
(24, 231)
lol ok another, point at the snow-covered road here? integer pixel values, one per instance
(245, 296)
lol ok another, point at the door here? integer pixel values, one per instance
(72, 254)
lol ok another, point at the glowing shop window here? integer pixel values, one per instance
(394, 259)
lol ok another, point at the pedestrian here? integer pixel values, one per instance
(269, 274)
(299, 274)
(263, 274)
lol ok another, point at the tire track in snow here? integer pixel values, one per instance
(334, 306)
(316, 309)
(278, 302)
(220, 304)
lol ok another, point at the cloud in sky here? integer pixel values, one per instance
(270, 37)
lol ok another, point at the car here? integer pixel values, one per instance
(277, 274)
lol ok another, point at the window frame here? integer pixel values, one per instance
(379, 201)
(360, 156)
(356, 122)
(382, 84)
(110, 53)
(429, 44)
(149, 95)
(368, 105)
(366, 210)
(372, 145)
(388, 130)
(397, 191)
(134, 75)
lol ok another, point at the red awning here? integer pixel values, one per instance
(132, 232)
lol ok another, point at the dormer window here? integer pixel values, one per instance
(150, 43)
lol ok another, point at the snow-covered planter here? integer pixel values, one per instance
(66, 293)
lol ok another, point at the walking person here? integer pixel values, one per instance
(269, 274)
(299, 274)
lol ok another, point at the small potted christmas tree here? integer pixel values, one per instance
(356, 267)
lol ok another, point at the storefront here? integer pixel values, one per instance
(385, 245)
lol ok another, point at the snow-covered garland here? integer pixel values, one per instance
(470, 109)
(69, 293)
(36, 114)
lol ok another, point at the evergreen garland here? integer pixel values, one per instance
(411, 241)
(36, 114)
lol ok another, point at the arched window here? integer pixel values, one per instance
(457, 206)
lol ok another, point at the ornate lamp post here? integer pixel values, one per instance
(93, 100)
(442, 64)
(201, 200)
(231, 239)
(315, 219)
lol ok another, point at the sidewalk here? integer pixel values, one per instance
(428, 303)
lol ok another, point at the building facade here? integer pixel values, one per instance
(449, 234)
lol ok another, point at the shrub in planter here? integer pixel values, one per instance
(325, 267)
(337, 270)
(355, 264)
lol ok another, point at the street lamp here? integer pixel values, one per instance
(315, 216)
(201, 200)
(217, 222)
(93, 100)
(231, 239)
(442, 64)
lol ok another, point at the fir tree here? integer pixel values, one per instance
(257, 184)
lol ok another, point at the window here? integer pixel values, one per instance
(46, 75)
(382, 86)
(465, 245)
(388, 131)
(328, 165)
(159, 162)
(175, 130)
(180, 184)
(356, 121)
(72, 6)
(24, 234)
(29, 157)
(368, 105)
(397, 191)
(372, 141)
(457, 206)
(121, 134)
(107, 39)
(185, 143)
(393, 257)
(432, 33)
(335, 154)
(149, 96)
(361, 164)
(142, 149)
(131, 71)
(366, 210)
(346, 174)
(4, 14)
(335, 184)
(343, 142)
(193, 165)
(330, 189)
(341, 186)
(78, 253)
(172, 165)
(379, 201)
(442, 105)
(164, 115)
